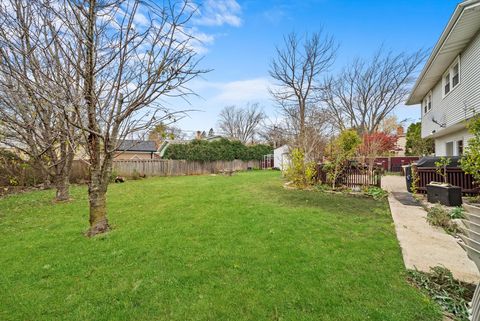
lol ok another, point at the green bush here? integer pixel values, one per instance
(376, 192)
(470, 162)
(339, 153)
(452, 295)
(441, 167)
(300, 172)
(457, 212)
(438, 216)
(222, 149)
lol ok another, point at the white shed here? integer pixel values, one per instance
(281, 157)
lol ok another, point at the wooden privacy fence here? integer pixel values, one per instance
(167, 167)
(28, 176)
(79, 172)
(353, 177)
(392, 163)
(455, 176)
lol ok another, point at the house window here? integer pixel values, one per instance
(449, 149)
(455, 76)
(460, 148)
(451, 78)
(427, 103)
(446, 87)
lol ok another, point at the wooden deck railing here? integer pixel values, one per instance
(353, 177)
(455, 176)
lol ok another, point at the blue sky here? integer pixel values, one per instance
(240, 38)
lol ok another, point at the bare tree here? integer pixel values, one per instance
(391, 125)
(128, 69)
(367, 91)
(127, 57)
(297, 70)
(317, 130)
(29, 64)
(273, 132)
(241, 123)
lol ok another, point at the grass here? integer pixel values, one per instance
(205, 248)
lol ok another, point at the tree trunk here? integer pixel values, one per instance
(98, 209)
(97, 193)
(62, 178)
(62, 185)
(47, 184)
(302, 129)
(97, 188)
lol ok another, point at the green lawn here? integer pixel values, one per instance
(205, 248)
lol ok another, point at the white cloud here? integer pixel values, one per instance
(213, 96)
(234, 92)
(201, 41)
(244, 90)
(218, 13)
(275, 15)
(141, 19)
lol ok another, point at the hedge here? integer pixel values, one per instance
(222, 149)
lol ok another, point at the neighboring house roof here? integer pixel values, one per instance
(137, 146)
(459, 32)
(214, 137)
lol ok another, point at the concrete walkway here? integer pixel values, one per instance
(424, 246)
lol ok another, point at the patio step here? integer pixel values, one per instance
(473, 209)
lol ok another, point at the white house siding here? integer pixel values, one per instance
(441, 142)
(457, 105)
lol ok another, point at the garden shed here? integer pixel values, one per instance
(281, 157)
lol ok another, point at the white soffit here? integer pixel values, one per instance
(461, 29)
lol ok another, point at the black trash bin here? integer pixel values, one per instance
(408, 177)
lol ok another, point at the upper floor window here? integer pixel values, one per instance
(455, 76)
(446, 85)
(451, 78)
(427, 103)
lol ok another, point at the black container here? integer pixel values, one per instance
(429, 161)
(408, 177)
(445, 195)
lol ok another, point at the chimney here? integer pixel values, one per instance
(400, 131)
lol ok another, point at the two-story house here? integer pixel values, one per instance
(448, 88)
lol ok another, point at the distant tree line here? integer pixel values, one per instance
(222, 149)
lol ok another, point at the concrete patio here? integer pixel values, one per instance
(424, 246)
